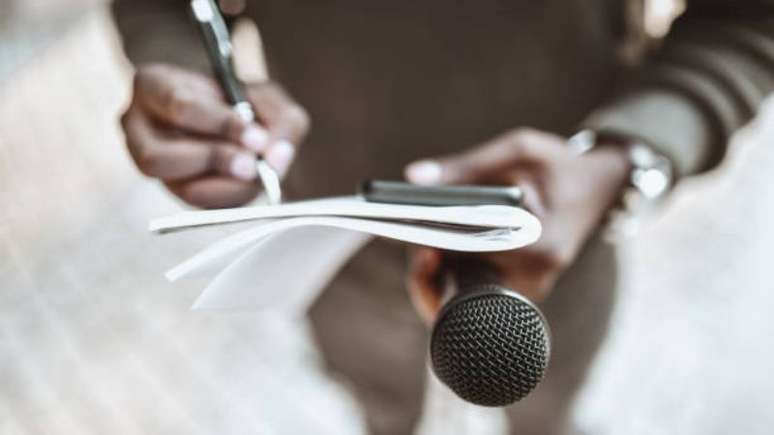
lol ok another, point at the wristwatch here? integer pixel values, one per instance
(650, 180)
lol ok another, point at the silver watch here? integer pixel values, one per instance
(650, 180)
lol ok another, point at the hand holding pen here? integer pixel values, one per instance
(181, 129)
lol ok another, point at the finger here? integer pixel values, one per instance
(521, 148)
(215, 191)
(422, 282)
(280, 156)
(159, 155)
(286, 121)
(529, 272)
(284, 118)
(193, 103)
(533, 196)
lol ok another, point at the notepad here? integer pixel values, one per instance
(293, 250)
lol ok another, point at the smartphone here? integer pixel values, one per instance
(397, 192)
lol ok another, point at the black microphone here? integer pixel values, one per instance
(489, 344)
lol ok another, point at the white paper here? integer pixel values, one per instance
(492, 240)
(493, 216)
(295, 249)
(283, 271)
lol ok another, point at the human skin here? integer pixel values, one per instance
(569, 194)
(180, 130)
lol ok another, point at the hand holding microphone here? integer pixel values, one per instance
(490, 344)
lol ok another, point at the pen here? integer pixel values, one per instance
(217, 41)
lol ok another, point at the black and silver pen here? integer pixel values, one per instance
(217, 42)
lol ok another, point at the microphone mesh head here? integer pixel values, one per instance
(491, 348)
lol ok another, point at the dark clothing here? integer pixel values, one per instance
(414, 78)
(389, 82)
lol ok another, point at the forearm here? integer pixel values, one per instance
(708, 79)
(159, 31)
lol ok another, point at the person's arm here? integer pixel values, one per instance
(160, 31)
(705, 81)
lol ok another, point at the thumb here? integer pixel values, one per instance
(487, 162)
(477, 165)
(424, 265)
(426, 172)
(453, 169)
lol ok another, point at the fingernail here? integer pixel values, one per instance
(280, 155)
(243, 167)
(255, 138)
(424, 172)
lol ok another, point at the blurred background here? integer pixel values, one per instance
(93, 340)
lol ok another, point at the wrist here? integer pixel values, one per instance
(610, 162)
(648, 177)
(617, 163)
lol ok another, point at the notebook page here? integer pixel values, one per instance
(496, 239)
(494, 216)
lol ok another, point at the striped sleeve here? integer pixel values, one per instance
(708, 79)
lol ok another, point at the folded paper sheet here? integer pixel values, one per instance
(295, 249)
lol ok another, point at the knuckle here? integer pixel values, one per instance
(527, 144)
(137, 81)
(298, 117)
(139, 84)
(272, 97)
(124, 120)
(521, 138)
(142, 75)
(177, 104)
(148, 73)
(524, 132)
(148, 162)
(232, 125)
(268, 86)
(265, 84)
(218, 157)
(187, 194)
(261, 89)
(191, 197)
(515, 134)
(153, 69)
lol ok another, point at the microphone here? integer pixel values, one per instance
(489, 344)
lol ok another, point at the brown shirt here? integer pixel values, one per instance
(387, 82)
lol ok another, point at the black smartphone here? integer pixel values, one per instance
(397, 192)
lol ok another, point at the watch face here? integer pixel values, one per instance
(641, 156)
(652, 173)
(651, 183)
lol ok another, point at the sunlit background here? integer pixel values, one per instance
(93, 340)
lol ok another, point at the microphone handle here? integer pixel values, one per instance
(489, 345)
(465, 274)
